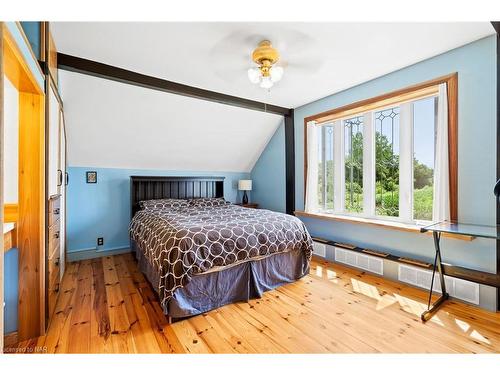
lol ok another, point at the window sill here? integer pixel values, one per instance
(386, 224)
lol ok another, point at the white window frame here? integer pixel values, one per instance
(406, 153)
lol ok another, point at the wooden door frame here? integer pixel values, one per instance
(65, 182)
(1, 192)
(31, 212)
(49, 66)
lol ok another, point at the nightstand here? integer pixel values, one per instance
(248, 205)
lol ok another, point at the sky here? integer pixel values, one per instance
(423, 125)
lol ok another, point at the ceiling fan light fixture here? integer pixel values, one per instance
(254, 75)
(267, 72)
(276, 73)
(266, 83)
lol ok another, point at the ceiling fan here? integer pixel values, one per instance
(267, 72)
(291, 50)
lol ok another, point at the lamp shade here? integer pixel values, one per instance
(245, 185)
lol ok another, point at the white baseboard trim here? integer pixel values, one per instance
(82, 254)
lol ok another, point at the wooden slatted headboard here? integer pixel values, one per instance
(157, 187)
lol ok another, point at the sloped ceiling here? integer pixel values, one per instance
(319, 58)
(115, 125)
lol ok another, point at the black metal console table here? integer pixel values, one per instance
(484, 231)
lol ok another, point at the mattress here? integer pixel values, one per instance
(176, 244)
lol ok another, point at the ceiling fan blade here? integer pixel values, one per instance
(309, 65)
(232, 75)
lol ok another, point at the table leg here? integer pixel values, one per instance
(431, 309)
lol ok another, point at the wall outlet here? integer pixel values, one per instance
(100, 241)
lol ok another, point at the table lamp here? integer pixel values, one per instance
(245, 185)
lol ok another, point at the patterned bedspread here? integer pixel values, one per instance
(182, 242)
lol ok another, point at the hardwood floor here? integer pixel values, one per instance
(106, 306)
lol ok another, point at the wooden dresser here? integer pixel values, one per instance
(54, 251)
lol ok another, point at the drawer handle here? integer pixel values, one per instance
(56, 289)
(57, 262)
(56, 235)
(56, 211)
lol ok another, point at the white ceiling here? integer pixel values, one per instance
(114, 125)
(319, 58)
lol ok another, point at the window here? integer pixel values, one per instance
(353, 161)
(424, 129)
(325, 168)
(387, 162)
(377, 159)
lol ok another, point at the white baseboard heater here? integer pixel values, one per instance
(319, 249)
(420, 277)
(359, 260)
(461, 289)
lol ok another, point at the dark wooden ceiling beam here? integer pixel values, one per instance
(496, 26)
(97, 69)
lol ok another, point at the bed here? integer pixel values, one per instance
(200, 252)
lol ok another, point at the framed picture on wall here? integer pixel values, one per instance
(91, 177)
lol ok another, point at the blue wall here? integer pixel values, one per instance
(32, 31)
(11, 289)
(103, 209)
(476, 67)
(268, 174)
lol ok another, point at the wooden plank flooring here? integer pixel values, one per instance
(106, 306)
